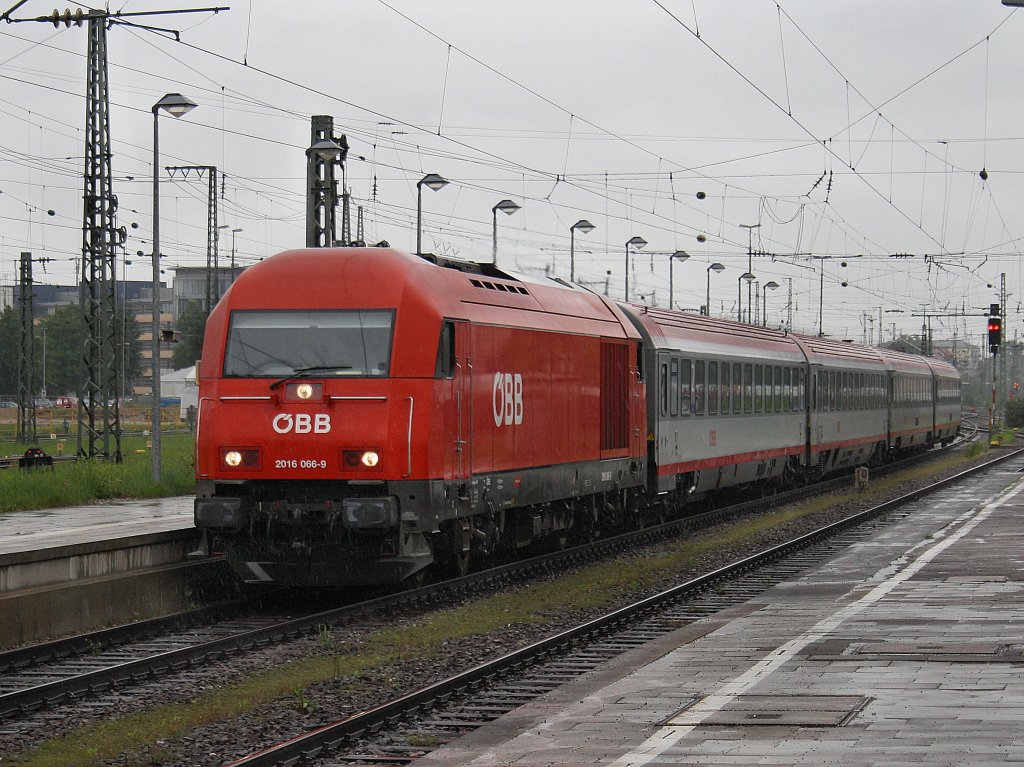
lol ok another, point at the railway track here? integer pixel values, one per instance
(40, 676)
(398, 731)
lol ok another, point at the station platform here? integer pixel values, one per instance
(74, 569)
(905, 649)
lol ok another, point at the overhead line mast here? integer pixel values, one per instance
(99, 420)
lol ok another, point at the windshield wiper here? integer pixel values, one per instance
(306, 372)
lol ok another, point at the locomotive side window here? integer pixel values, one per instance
(686, 389)
(273, 343)
(712, 388)
(446, 351)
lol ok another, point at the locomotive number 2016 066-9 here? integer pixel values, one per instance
(296, 463)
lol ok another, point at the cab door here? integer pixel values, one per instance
(461, 439)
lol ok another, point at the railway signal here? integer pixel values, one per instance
(995, 329)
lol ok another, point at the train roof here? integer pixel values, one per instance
(385, 277)
(700, 334)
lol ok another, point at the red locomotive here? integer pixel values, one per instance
(365, 413)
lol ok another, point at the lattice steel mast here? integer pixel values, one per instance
(26, 355)
(212, 255)
(98, 404)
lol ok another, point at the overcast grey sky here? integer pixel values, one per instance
(854, 130)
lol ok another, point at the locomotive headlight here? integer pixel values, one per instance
(357, 458)
(304, 391)
(240, 458)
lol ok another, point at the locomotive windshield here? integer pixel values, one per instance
(281, 342)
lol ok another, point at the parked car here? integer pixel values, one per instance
(7, 403)
(44, 402)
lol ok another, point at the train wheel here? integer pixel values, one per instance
(452, 548)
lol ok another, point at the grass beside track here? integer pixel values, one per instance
(85, 481)
(147, 737)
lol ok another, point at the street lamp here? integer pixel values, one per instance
(764, 300)
(431, 181)
(584, 226)
(679, 255)
(739, 293)
(637, 242)
(176, 106)
(508, 208)
(233, 233)
(715, 267)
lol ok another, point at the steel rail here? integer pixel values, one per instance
(33, 697)
(311, 744)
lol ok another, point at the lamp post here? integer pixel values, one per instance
(679, 255)
(715, 267)
(772, 285)
(739, 293)
(508, 208)
(176, 106)
(637, 242)
(433, 182)
(584, 226)
(233, 233)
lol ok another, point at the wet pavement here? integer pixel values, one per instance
(905, 649)
(52, 528)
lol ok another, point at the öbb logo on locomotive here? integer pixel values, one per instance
(507, 399)
(302, 423)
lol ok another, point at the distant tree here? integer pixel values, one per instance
(10, 343)
(1015, 413)
(65, 350)
(191, 327)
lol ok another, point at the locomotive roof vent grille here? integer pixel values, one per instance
(499, 287)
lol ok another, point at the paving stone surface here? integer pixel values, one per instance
(905, 649)
(50, 528)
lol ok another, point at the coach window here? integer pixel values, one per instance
(777, 389)
(787, 389)
(737, 387)
(698, 387)
(758, 388)
(712, 388)
(685, 387)
(726, 388)
(799, 403)
(748, 387)
(663, 385)
(673, 386)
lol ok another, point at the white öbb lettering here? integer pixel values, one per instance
(507, 399)
(302, 423)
